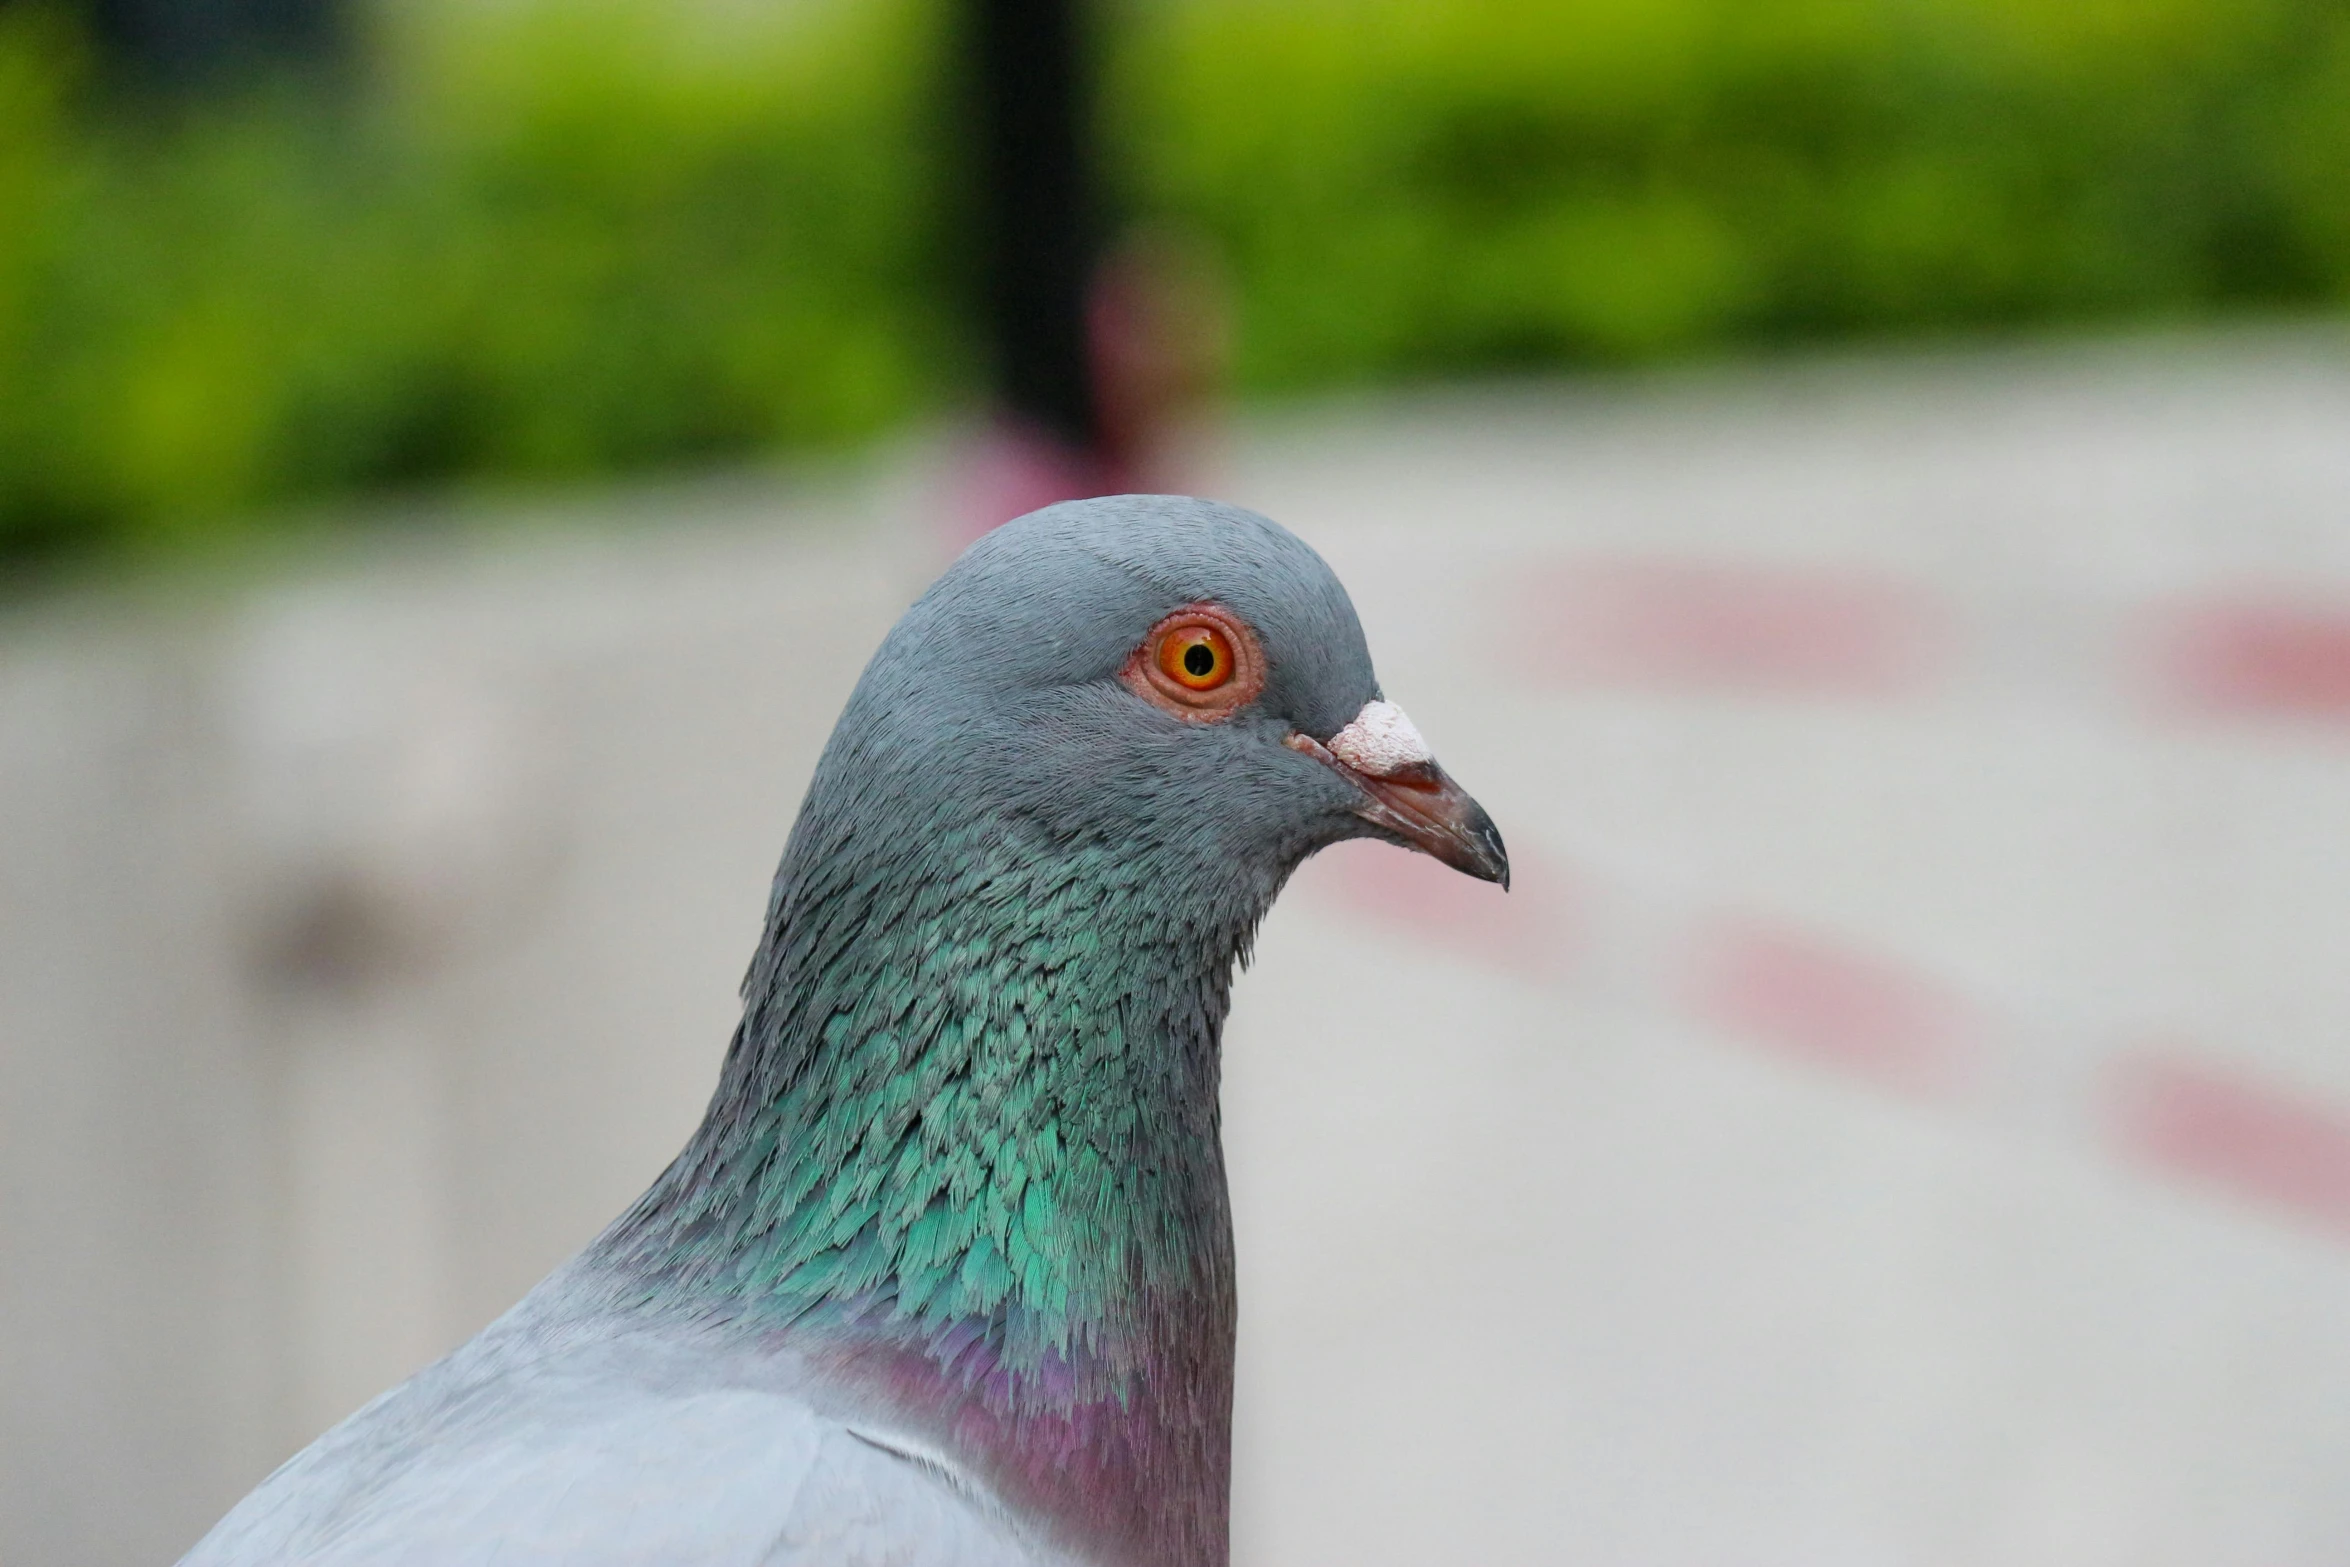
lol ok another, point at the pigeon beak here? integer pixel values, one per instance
(1407, 794)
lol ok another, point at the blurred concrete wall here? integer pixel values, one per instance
(1901, 1115)
(366, 940)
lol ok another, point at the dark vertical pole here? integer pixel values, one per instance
(184, 42)
(1039, 221)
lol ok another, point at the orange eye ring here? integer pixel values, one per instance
(1202, 663)
(1196, 656)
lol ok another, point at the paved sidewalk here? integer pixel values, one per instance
(1902, 1114)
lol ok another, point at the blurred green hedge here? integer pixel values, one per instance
(552, 237)
(536, 240)
(1405, 186)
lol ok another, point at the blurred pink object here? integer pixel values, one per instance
(1681, 625)
(1156, 355)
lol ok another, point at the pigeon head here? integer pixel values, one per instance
(1166, 678)
(965, 1149)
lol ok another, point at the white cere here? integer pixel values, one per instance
(1380, 741)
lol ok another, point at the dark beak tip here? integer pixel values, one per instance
(1488, 858)
(1470, 844)
(1495, 861)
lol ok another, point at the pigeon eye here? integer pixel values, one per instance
(1197, 657)
(1202, 663)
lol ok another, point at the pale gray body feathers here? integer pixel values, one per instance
(546, 1443)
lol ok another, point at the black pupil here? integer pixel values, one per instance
(1199, 661)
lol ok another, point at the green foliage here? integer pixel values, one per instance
(1406, 186)
(546, 241)
(554, 237)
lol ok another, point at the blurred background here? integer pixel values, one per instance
(1860, 488)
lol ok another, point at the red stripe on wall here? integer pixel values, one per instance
(2223, 1128)
(2251, 658)
(1530, 930)
(1679, 626)
(1834, 1006)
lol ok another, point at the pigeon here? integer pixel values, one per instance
(944, 1278)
